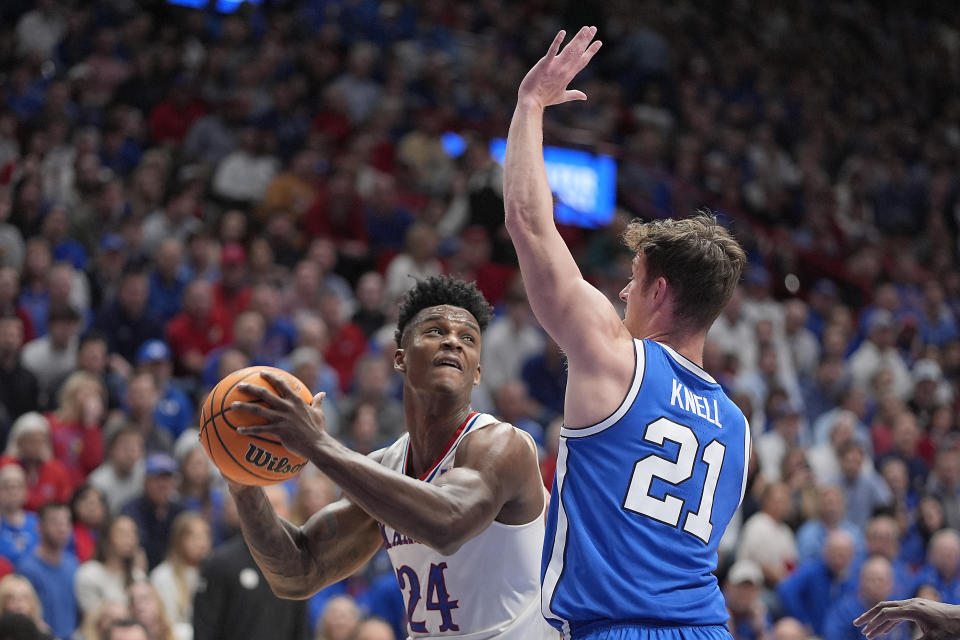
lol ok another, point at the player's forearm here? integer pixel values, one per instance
(528, 202)
(442, 518)
(277, 546)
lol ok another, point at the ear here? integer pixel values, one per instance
(477, 375)
(661, 292)
(398, 361)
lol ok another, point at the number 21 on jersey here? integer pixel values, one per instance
(668, 509)
(437, 597)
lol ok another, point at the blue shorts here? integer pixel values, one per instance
(641, 631)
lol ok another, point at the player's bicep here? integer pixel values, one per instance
(575, 314)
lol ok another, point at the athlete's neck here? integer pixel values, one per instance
(431, 421)
(689, 345)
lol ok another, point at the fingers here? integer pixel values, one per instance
(284, 390)
(555, 45)
(254, 409)
(574, 95)
(869, 613)
(260, 393)
(580, 41)
(256, 429)
(318, 399)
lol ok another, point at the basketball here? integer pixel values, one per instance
(248, 459)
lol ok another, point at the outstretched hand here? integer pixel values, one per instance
(298, 425)
(937, 621)
(546, 83)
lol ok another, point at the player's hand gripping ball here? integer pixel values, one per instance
(248, 459)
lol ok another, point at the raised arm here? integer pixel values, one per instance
(495, 474)
(575, 314)
(299, 561)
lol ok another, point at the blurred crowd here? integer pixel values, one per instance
(184, 193)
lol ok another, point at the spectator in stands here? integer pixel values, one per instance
(879, 352)
(142, 398)
(147, 609)
(97, 622)
(864, 488)
(882, 538)
(120, 477)
(942, 570)
(510, 340)
(51, 569)
(17, 595)
(232, 292)
(248, 334)
(19, 533)
(944, 484)
(514, 405)
(373, 629)
(875, 584)
(177, 577)
(75, 425)
(765, 540)
(808, 592)
(314, 492)
(831, 516)
(125, 320)
(18, 386)
(200, 488)
(29, 447)
(371, 297)
(167, 280)
(127, 630)
(749, 618)
(785, 434)
(174, 411)
(118, 562)
(347, 341)
(339, 620)
(198, 329)
(417, 262)
(372, 387)
(88, 508)
(53, 357)
(155, 511)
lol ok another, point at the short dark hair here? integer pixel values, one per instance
(437, 290)
(50, 506)
(123, 623)
(17, 626)
(699, 258)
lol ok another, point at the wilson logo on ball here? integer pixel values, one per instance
(259, 457)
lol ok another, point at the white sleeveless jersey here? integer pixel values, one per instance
(489, 588)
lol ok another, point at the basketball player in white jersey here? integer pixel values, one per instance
(457, 501)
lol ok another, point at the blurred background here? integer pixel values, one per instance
(188, 188)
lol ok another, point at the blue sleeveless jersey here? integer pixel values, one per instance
(641, 500)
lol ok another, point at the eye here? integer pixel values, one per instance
(433, 330)
(469, 338)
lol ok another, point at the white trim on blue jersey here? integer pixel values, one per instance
(688, 364)
(624, 406)
(746, 459)
(551, 576)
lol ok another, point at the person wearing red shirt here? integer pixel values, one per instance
(88, 508)
(48, 480)
(199, 328)
(171, 119)
(232, 292)
(75, 425)
(337, 213)
(347, 340)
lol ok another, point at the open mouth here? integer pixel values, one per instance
(448, 362)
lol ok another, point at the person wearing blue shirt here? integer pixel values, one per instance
(942, 570)
(51, 569)
(653, 455)
(808, 592)
(831, 512)
(174, 411)
(18, 528)
(882, 538)
(167, 281)
(875, 585)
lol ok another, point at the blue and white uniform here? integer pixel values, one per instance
(639, 504)
(489, 588)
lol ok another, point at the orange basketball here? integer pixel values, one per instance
(247, 459)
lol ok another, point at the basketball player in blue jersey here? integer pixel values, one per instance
(652, 456)
(457, 501)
